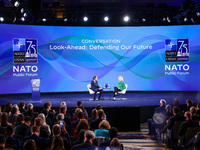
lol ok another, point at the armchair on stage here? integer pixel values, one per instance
(122, 93)
(90, 90)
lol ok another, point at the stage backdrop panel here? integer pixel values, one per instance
(161, 58)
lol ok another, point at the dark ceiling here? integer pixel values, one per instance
(71, 12)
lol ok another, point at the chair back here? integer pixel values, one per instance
(89, 89)
(98, 141)
(175, 130)
(123, 91)
(190, 133)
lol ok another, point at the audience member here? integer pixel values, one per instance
(193, 111)
(67, 116)
(75, 123)
(80, 137)
(75, 115)
(4, 120)
(22, 107)
(169, 113)
(10, 139)
(23, 129)
(8, 107)
(2, 141)
(45, 130)
(115, 144)
(57, 143)
(12, 118)
(30, 112)
(88, 141)
(29, 145)
(57, 132)
(20, 119)
(185, 125)
(189, 103)
(79, 105)
(94, 115)
(158, 110)
(95, 123)
(103, 130)
(35, 132)
(83, 124)
(51, 114)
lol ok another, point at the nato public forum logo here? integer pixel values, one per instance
(177, 50)
(25, 50)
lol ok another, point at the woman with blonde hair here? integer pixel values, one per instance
(121, 86)
(103, 130)
(46, 131)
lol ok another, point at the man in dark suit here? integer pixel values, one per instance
(96, 88)
(75, 123)
(88, 141)
(95, 123)
(113, 134)
(40, 142)
(24, 128)
(185, 125)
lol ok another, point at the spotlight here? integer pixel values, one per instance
(198, 14)
(22, 19)
(106, 18)
(1, 19)
(22, 10)
(65, 19)
(168, 20)
(144, 20)
(25, 14)
(16, 4)
(44, 19)
(185, 19)
(85, 18)
(126, 18)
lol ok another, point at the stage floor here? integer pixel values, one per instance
(133, 99)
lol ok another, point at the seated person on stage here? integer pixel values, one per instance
(121, 86)
(96, 88)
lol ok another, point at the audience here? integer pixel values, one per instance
(52, 133)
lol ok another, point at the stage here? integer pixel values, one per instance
(133, 99)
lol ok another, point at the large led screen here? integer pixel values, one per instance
(161, 58)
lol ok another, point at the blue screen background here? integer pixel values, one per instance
(72, 70)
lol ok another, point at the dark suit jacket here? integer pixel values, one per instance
(160, 110)
(3, 130)
(185, 125)
(40, 142)
(84, 146)
(74, 124)
(95, 123)
(22, 130)
(94, 86)
(173, 119)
